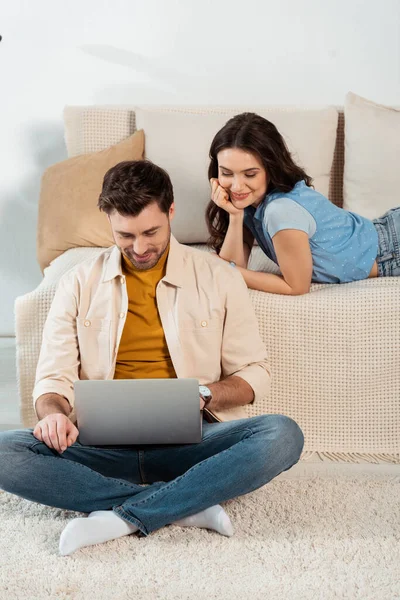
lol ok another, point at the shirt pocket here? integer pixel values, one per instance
(201, 325)
(94, 345)
(201, 343)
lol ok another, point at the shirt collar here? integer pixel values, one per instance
(256, 213)
(174, 274)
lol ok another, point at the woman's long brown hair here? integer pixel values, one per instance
(254, 134)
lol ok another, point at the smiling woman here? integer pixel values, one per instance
(259, 192)
(245, 178)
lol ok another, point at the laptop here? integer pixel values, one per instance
(138, 411)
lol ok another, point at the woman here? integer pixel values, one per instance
(258, 191)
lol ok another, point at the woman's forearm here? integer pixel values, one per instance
(269, 282)
(233, 247)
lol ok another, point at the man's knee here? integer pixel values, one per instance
(286, 432)
(14, 449)
(291, 436)
(15, 440)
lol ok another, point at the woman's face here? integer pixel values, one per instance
(243, 176)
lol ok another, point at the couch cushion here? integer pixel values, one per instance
(372, 149)
(68, 213)
(94, 128)
(179, 140)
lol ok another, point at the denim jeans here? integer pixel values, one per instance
(233, 458)
(388, 228)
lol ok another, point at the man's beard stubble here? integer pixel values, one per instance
(153, 260)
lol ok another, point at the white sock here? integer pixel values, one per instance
(101, 526)
(105, 525)
(213, 517)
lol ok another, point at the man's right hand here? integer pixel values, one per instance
(57, 431)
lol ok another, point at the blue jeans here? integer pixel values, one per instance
(388, 228)
(233, 458)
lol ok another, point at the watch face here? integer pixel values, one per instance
(204, 391)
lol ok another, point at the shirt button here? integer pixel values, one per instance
(121, 315)
(87, 323)
(122, 279)
(204, 323)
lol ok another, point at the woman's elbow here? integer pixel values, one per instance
(299, 288)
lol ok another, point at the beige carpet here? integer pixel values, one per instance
(315, 538)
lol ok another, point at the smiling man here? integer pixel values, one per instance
(159, 309)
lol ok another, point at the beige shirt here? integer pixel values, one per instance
(206, 313)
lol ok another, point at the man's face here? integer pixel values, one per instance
(143, 239)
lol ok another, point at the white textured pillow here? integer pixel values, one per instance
(179, 140)
(94, 128)
(371, 181)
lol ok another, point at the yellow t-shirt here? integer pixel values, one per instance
(143, 351)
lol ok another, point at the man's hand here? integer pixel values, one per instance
(202, 403)
(57, 431)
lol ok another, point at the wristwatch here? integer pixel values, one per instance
(206, 394)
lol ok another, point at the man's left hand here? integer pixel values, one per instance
(202, 403)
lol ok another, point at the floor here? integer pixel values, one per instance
(9, 400)
(343, 532)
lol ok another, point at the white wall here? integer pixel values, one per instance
(187, 51)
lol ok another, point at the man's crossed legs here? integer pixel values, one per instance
(186, 481)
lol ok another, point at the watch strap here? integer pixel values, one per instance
(206, 401)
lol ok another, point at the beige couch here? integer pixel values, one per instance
(335, 352)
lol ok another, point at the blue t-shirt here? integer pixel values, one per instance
(343, 245)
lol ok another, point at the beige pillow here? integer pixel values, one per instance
(179, 139)
(371, 183)
(68, 212)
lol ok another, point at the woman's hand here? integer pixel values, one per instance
(220, 197)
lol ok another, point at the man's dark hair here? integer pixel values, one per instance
(132, 185)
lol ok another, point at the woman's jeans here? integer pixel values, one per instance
(233, 458)
(388, 228)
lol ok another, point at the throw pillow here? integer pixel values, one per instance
(68, 212)
(371, 181)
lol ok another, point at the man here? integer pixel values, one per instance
(148, 307)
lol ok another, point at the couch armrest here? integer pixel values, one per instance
(30, 315)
